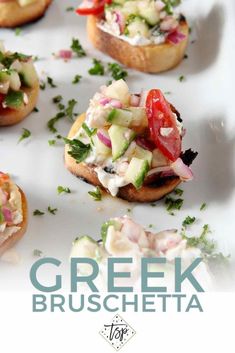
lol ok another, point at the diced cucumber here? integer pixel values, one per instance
(137, 26)
(139, 116)
(118, 90)
(148, 11)
(25, 2)
(137, 171)
(14, 99)
(100, 147)
(15, 82)
(130, 8)
(28, 74)
(4, 75)
(121, 138)
(106, 225)
(141, 153)
(120, 117)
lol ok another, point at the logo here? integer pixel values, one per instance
(118, 332)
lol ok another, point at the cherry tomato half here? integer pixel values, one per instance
(160, 116)
(96, 9)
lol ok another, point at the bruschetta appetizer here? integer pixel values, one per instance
(129, 144)
(19, 87)
(19, 12)
(13, 213)
(146, 35)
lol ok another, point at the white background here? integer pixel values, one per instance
(206, 102)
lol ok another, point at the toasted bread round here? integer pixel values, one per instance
(147, 193)
(149, 58)
(12, 117)
(12, 240)
(12, 14)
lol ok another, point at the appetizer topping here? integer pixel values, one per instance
(140, 22)
(16, 73)
(131, 139)
(11, 214)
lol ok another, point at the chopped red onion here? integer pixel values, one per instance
(104, 138)
(175, 37)
(144, 143)
(65, 54)
(7, 214)
(182, 170)
(135, 100)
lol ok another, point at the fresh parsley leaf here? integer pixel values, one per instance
(18, 31)
(89, 131)
(76, 79)
(52, 210)
(97, 196)
(182, 78)
(35, 109)
(57, 99)
(51, 82)
(77, 48)
(97, 69)
(173, 204)
(117, 72)
(188, 221)
(38, 213)
(25, 134)
(78, 150)
(61, 189)
(70, 108)
(42, 85)
(51, 123)
(51, 142)
(179, 192)
(70, 8)
(203, 206)
(37, 253)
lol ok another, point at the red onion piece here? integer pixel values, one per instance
(104, 138)
(105, 100)
(182, 170)
(144, 143)
(116, 103)
(65, 54)
(120, 21)
(7, 214)
(175, 37)
(135, 100)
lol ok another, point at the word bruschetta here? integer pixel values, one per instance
(129, 144)
(146, 35)
(18, 12)
(13, 213)
(19, 87)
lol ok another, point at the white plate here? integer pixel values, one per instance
(205, 101)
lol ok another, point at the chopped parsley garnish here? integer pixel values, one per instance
(167, 93)
(14, 99)
(173, 204)
(188, 221)
(70, 8)
(18, 31)
(77, 48)
(185, 56)
(61, 106)
(78, 150)
(52, 210)
(70, 108)
(38, 213)
(61, 189)
(51, 142)
(25, 134)
(182, 78)
(76, 79)
(129, 210)
(117, 72)
(97, 196)
(169, 5)
(37, 253)
(51, 82)
(42, 85)
(97, 69)
(35, 109)
(51, 123)
(179, 192)
(89, 131)
(203, 206)
(57, 99)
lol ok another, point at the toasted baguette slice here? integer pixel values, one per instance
(12, 14)
(147, 193)
(12, 240)
(149, 58)
(12, 117)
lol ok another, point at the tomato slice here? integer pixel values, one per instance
(96, 8)
(160, 115)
